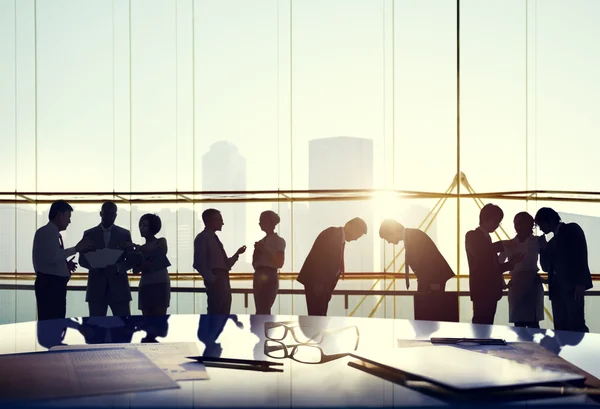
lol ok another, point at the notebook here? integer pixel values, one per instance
(463, 370)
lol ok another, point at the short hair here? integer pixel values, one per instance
(60, 206)
(209, 214)
(387, 226)
(546, 214)
(358, 223)
(108, 206)
(154, 223)
(525, 216)
(490, 212)
(272, 216)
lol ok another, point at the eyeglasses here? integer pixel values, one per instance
(278, 331)
(302, 353)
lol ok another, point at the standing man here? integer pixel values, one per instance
(211, 261)
(565, 259)
(108, 286)
(52, 269)
(486, 279)
(421, 254)
(325, 262)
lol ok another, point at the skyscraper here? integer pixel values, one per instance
(224, 168)
(343, 163)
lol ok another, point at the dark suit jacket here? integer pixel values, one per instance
(485, 270)
(324, 260)
(103, 285)
(423, 256)
(565, 259)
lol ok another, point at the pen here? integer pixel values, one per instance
(234, 361)
(479, 341)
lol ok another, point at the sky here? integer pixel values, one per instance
(136, 113)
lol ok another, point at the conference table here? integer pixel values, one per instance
(317, 376)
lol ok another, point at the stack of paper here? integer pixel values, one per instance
(103, 257)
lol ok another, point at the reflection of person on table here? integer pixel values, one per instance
(268, 257)
(525, 291)
(210, 328)
(107, 286)
(155, 285)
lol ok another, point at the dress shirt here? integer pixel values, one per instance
(48, 255)
(106, 232)
(210, 255)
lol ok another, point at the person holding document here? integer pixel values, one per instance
(152, 262)
(108, 284)
(52, 269)
(525, 291)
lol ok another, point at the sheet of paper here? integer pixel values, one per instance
(103, 257)
(170, 357)
(67, 374)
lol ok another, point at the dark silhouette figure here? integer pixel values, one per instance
(565, 259)
(52, 269)
(485, 270)
(210, 328)
(107, 286)
(430, 267)
(325, 263)
(211, 261)
(268, 257)
(525, 291)
(155, 284)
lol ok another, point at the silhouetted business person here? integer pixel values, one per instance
(422, 255)
(52, 270)
(325, 262)
(268, 257)
(565, 259)
(211, 261)
(485, 270)
(108, 286)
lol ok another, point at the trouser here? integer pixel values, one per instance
(218, 293)
(484, 311)
(317, 298)
(265, 285)
(569, 313)
(100, 308)
(51, 296)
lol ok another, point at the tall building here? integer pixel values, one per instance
(224, 168)
(343, 163)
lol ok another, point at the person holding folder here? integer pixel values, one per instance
(486, 279)
(108, 285)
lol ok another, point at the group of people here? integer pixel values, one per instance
(564, 258)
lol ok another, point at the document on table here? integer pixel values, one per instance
(103, 257)
(170, 357)
(67, 374)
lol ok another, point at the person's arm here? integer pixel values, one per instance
(83, 261)
(201, 258)
(545, 255)
(486, 253)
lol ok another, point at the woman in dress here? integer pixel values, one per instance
(268, 257)
(154, 295)
(525, 291)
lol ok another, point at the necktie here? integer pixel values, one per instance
(225, 258)
(406, 272)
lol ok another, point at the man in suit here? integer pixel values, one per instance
(486, 279)
(108, 286)
(421, 254)
(565, 259)
(325, 263)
